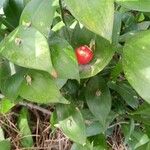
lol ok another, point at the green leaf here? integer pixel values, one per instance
(71, 122)
(39, 13)
(60, 82)
(98, 99)
(93, 126)
(1, 134)
(128, 35)
(144, 147)
(143, 109)
(41, 88)
(1, 3)
(27, 47)
(141, 139)
(99, 141)
(139, 5)
(5, 144)
(116, 28)
(6, 105)
(135, 27)
(137, 137)
(136, 63)
(92, 14)
(26, 1)
(71, 89)
(147, 130)
(11, 86)
(145, 119)
(53, 119)
(13, 10)
(127, 93)
(64, 59)
(102, 54)
(87, 146)
(116, 71)
(99, 147)
(128, 130)
(26, 137)
(81, 36)
(4, 71)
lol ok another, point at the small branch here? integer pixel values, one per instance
(118, 123)
(63, 19)
(33, 106)
(62, 12)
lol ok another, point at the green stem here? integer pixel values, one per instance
(62, 12)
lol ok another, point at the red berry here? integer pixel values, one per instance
(84, 54)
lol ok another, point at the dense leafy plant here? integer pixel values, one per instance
(38, 64)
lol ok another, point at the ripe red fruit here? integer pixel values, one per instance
(84, 54)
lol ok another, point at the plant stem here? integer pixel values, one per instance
(62, 12)
(119, 123)
(33, 106)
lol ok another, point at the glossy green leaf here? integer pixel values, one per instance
(145, 119)
(147, 130)
(135, 29)
(126, 92)
(26, 135)
(41, 88)
(116, 28)
(102, 54)
(143, 109)
(60, 82)
(71, 89)
(128, 35)
(141, 139)
(64, 59)
(11, 86)
(95, 15)
(142, 25)
(128, 19)
(27, 47)
(98, 99)
(128, 130)
(39, 13)
(139, 5)
(5, 105)
(144, 147)
(5, 144)
(116, 71)
(4, 71)
(136, 137)
(93, 126)
(136, 63)
(71, 122)
(99, 141)
(13, 10)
